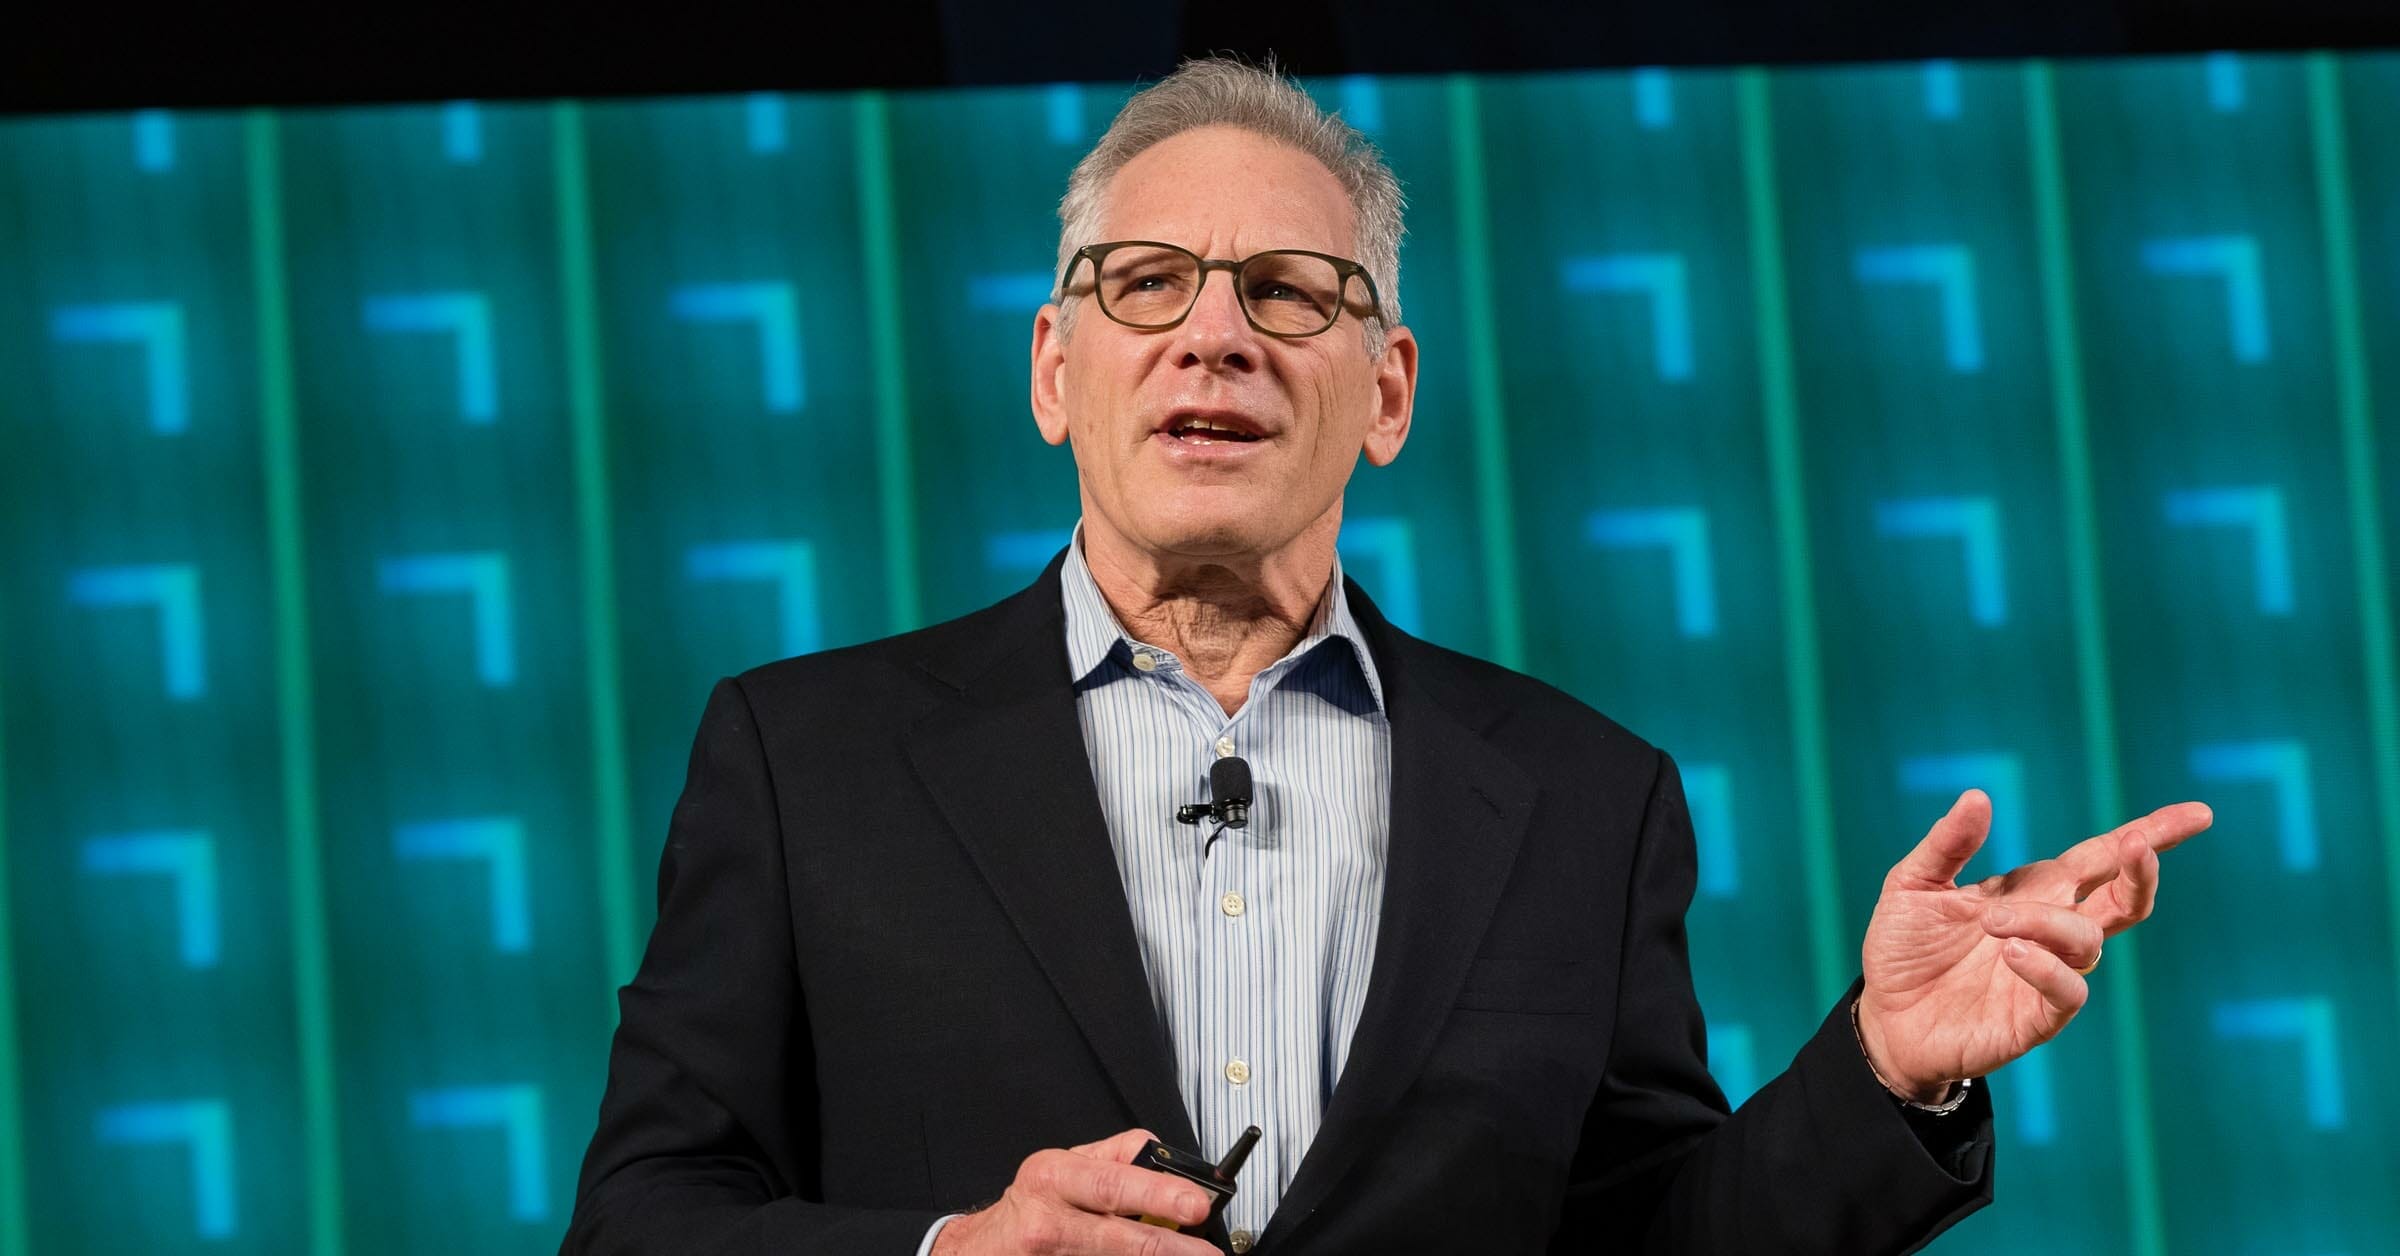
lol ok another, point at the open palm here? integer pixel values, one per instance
(1963, 979)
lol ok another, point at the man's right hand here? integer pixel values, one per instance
(1080, 1202)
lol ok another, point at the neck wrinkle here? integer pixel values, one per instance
(1226, 621)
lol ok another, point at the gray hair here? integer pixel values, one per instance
(1222, 91)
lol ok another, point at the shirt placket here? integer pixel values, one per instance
(1232, 910)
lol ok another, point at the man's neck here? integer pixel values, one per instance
(1227, 618)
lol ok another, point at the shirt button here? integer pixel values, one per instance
(1241, 1240)
(1224, 745)
(1232, 904)
(1144, 661)
(1237, 1072)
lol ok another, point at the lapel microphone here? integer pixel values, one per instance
(1229, 787)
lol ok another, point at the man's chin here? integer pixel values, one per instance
(1204, 522)
(1225, 542)
(1214, 534)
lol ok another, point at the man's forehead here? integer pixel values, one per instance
(1219, 189)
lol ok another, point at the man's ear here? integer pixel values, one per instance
(1049, 365)
(1396, 397)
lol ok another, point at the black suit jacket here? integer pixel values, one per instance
(893, 958)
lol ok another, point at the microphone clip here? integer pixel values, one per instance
(1233, 813)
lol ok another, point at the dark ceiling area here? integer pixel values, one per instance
(62, 57)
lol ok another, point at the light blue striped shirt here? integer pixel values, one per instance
(1258, 950)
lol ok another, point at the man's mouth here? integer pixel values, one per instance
(1211, 429)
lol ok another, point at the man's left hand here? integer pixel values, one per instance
(1964, 979)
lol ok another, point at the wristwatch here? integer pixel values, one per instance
(1943, 1108)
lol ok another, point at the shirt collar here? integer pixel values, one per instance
(1094, 634)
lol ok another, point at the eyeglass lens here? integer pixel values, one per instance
(1287, 293)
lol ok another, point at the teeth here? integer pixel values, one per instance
(1197, 427)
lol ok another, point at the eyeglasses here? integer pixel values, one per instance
(1291, 293)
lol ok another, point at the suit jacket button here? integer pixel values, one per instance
(1241, 1240)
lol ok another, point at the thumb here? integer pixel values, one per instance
(1948, 845)
(1117, 1148)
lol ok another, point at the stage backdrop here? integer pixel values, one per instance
(382, 488)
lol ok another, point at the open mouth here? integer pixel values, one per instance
(1199, 429)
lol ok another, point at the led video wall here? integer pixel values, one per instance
(382, 488)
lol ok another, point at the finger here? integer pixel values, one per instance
(2128, 900)
(1120, 1148)
(1948, 845)
(2060, 986)
(2095, 861)
(2063, 931)
(1116, 1236)
(1090, 1235)
(1091, 1185)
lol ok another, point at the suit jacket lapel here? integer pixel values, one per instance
(1006, 765)
(1458, 813)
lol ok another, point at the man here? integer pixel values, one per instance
(935, 958)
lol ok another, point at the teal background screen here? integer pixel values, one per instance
(381, 489)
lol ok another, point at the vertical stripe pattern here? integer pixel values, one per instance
(1257, 941)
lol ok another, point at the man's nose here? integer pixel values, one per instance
(1216, 330)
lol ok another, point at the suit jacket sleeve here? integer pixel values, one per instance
(1821, 1159)
(708, 1138)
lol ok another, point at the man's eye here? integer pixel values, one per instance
(1273, 292)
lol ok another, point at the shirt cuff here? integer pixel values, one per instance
(926, 1248)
